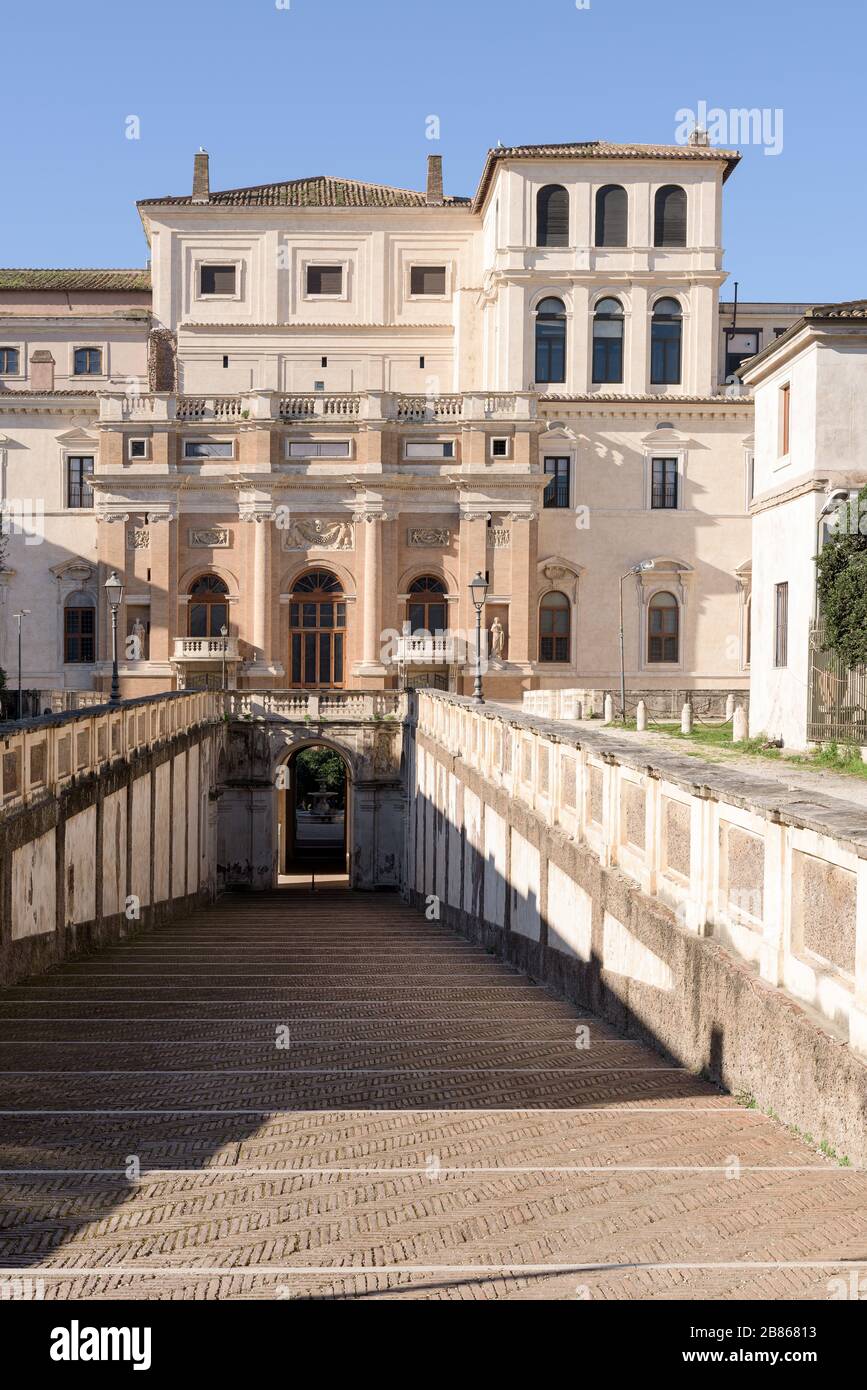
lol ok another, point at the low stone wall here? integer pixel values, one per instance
(721, 918)
(587, 703)
(106, 826)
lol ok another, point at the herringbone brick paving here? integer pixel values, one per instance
(291, 1096)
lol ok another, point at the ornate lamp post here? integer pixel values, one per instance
(636, 569)
(114, 594)
(224, 633)
(478, 593)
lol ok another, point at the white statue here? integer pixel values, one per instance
(138, 634)
(498, 640)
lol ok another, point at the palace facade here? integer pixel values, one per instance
(326, 405)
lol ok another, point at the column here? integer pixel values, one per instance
(523, 607)
(260, 592)
(369, 523)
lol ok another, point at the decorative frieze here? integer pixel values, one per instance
(428, 537)
(209, 538)
(307, 533)
(501, 537)
(138, 538)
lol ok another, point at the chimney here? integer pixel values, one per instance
(434, 193)
(42, 370)
(201, 178)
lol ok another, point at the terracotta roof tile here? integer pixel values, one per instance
(604, 149)
(321, 191)
(75, 279)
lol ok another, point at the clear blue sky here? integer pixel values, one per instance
(343, 87)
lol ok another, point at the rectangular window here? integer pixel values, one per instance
(79, 634)
(781, 625)
(325, 279)
(208, 449)
(9, 360)
(740, 345)
(556, 494)
(427, 279)
(87, 362)
(435, 450)
(217, 279)
(138, 448)
(323, 362)
(79, 489)
(499, 448)
(785, 409)
(319, 449)
(663, 491)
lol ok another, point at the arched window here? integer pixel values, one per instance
(427, 608)
(552, 216)
(669, 216)
(665, 343)
(208, 606)
(554, 622)
(612, 213)
(550, 340)
(663, 628)
(317, 630)
(79, 629)
(608, 341)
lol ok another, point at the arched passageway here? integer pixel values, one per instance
(314, 814)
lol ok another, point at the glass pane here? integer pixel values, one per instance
(297, 677)
(416, 613)
(338, 659)
(326, 614)
(293, 615)
(309, 614)
(341, 615)
(219, 618)
(198, 620)
(436, 620)
(324, 658)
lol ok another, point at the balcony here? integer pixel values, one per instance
(247, 407)
(439, 649)
(205, 649)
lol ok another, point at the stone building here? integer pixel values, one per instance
(328, 404)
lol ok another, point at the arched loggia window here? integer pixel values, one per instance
(608, 341)
(669, 216)
(612, 213)
(663, 628)
(317, 630)
(426, 608)
(208, 607)
(666, 331)
(550, 341)
(555, 616)
(552, 216)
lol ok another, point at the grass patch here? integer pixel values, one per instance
(844, 758)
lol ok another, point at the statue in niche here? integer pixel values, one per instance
(498, 640)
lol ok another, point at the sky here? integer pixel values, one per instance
(278, 89)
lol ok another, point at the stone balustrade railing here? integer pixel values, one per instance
(777, 876)
(302, 706)
(39, 757)
(348, 406)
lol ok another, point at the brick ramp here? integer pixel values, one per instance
(430, 1130)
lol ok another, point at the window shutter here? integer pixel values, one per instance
(612, 209)
(552, 216)
(669, 227)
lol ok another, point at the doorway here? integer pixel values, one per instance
(314, 817)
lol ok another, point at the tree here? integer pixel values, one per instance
(842, 584)
(319, 769)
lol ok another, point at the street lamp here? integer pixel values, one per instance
(224, 633)
(636, 569)
(114, 594)
(24, 613)
(478, 593)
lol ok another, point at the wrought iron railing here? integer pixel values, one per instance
(838, 695)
